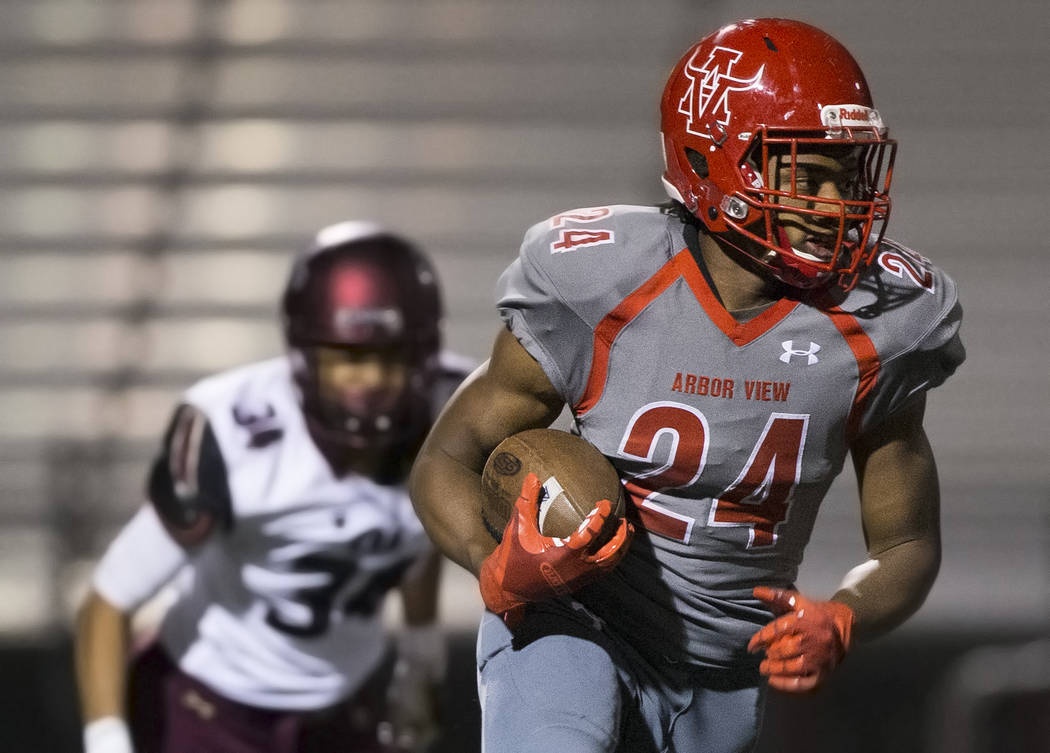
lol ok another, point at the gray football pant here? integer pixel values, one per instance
(559, 685)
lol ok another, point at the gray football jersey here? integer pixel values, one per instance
(727, 435)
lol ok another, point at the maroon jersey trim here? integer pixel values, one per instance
(741, 333)
(868, 364)
(613, 322)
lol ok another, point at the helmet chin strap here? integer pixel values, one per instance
(767, 259)
(782, 240)
(773, 262)
(786, 247)
(375, 434)
(789, 273)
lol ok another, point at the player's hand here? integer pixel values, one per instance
(805, 642)
(528, 566)
(412, 721)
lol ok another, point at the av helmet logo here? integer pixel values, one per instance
(708, 93)
(790, 351)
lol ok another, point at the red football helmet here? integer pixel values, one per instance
(360, 285)
(775, 88)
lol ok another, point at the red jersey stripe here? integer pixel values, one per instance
(741, 333)
(612, 324)
(868, 364)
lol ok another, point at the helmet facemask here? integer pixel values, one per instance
(784, 215)
(370, 412)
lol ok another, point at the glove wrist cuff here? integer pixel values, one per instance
(493, 594)
(843, 617)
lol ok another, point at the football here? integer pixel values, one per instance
(574, 475)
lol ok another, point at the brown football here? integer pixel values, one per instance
(574, 474)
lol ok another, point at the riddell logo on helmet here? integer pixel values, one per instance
(850, 116)
(708, 94)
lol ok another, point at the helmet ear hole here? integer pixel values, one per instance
(698, 162)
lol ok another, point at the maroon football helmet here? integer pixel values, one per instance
(775, 87)
(359, 285)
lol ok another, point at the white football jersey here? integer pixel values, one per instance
(279, 609)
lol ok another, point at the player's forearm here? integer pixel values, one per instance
(420, 591)
(891, 586)
(447, 497)
(507, 394)
(101, 651)
(900, 510)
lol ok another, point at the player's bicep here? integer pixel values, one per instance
(508, 393)
(188, 483)
(897, 477)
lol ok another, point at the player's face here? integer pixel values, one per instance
(362, 380)
(815, 181)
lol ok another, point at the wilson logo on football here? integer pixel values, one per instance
(708, 94)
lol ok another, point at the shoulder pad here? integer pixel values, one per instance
(188, 484)
(900, 279)
(573, 269)
(910, 310)
(589, 257)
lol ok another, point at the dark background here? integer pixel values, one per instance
(900, 694)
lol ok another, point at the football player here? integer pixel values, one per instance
(726, 352)
(278, 509)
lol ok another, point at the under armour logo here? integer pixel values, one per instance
(789, 351)
(708, 95)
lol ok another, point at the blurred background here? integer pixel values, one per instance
(160, 161)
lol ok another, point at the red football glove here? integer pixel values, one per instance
(528, 566)
(806, 641)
